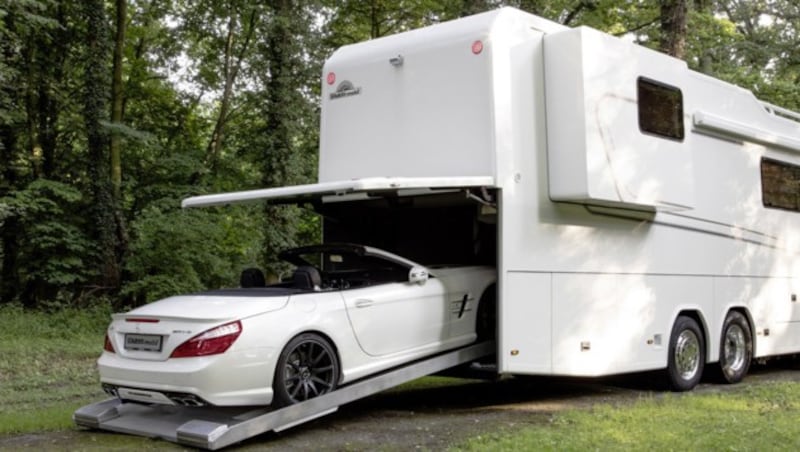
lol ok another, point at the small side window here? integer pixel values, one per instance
(780, 185)
(660, 109)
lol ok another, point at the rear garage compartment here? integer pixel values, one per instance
(454, 228)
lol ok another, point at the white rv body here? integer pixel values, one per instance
(605, 232)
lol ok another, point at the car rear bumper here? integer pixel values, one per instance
(229, 379)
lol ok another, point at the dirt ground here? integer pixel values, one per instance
(425, 419)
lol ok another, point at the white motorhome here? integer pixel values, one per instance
(640, 215)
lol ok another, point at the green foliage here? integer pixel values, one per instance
(755, 45)
(51, 240)
(20, 22)
(710, 42)
(354, 21)
(177, 251)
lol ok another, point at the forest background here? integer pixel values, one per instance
(112, 111)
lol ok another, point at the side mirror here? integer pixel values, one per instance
(417, 275)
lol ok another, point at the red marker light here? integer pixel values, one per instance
(107, 346)
(141, 320)
(331, 78)
(477, 47)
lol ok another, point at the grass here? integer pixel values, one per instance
(756, 417)
(47, 366)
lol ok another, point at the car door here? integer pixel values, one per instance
(397, 317)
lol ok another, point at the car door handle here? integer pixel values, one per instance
(363, 303)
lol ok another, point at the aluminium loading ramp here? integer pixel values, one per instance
(217, 427)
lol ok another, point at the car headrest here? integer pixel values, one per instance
(307, 278)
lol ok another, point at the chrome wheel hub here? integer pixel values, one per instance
(734, 349)
(687, 354)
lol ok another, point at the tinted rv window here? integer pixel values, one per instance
(660, 109)
(780, 185)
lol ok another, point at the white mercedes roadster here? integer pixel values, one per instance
(347, 312)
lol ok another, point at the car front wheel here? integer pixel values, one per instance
(307, 367)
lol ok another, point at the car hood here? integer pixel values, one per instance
(207, 307)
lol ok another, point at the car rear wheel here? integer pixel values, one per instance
(486, 318)
(307, 367)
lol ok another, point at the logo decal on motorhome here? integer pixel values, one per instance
(345, 89)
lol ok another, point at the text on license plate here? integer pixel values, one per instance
(146, 342)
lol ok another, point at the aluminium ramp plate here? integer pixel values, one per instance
(217, 427)
(157, 421)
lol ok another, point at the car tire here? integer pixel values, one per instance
(686, 357)
(486, 317)
(307, 367)
(736, 348)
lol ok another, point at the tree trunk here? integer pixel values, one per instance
(50, 81)
(278, 87)
(374, 21)
(277, 157)
(706, 62)
(9, 275)
(233, 64)
(117, 97)
(11, 99)
(673, 27)
(102, 210)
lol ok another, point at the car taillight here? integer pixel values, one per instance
(211, 342)
(108, 346)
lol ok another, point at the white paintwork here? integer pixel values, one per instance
(339, 188)
(435, 115)
(606, 234)
(372, 328)
(205, 308)
(600, 156)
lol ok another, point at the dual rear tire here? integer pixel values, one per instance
(736, 348)
(687, 349)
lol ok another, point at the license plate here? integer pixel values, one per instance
(144, 342)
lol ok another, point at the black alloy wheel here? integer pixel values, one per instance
(307, 367)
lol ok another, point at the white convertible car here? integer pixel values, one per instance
(348, 311)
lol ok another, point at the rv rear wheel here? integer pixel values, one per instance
(736, 348)
(686, 354)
